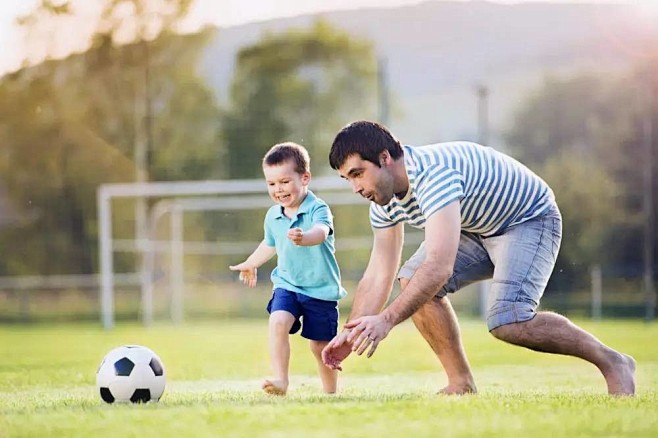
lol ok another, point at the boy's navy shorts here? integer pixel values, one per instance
(319, 317)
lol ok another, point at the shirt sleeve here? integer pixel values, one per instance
(437, 187)
(379, 217)
(267, 231)
(322, 215)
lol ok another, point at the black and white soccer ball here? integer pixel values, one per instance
(131, 373)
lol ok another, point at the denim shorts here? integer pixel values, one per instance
(319, 317)
(520, 260)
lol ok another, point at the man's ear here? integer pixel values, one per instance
(384, 158)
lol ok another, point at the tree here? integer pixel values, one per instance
(583, 135)
(301, 85)
(68, 125)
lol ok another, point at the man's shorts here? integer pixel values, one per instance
(319, 317)
(520, 260)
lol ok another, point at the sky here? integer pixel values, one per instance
(223, 13)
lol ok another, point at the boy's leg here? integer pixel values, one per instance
(280, 323)
(524, 257)
(284, 312)
(320, 326)
(328, 376)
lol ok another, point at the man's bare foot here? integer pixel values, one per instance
(461, 389)
(621, 375)
(275, 387)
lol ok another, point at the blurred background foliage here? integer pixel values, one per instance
(69, 125)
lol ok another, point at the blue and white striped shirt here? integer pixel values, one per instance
(495, 190)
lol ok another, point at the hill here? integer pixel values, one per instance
(437, 53)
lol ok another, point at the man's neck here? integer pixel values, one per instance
(400, 178)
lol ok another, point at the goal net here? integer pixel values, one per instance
(195, 230)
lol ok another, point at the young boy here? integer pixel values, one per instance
(306, 280)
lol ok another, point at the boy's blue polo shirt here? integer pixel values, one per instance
(309, 270)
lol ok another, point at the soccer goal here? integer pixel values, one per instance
(175, 199)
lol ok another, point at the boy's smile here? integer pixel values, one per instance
(285, 186)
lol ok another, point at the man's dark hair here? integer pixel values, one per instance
(368, 139)
(289, 151)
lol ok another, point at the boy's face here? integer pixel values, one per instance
(285, 186)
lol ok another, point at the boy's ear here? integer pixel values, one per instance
(306, 177)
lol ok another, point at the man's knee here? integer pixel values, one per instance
(504, 332)
(503, 313)
(515, 332)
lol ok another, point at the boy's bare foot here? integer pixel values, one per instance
(275, 387)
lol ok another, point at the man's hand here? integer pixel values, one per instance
(368, 331)
(336, 351)
(247, 273)
(296, 235)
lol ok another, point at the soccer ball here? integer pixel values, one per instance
(130, 373)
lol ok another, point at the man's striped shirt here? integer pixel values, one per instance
(495, 191)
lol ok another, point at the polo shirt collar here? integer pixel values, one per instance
(303, 208)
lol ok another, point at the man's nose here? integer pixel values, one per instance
(356, 188)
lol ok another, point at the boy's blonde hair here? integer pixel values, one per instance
(282, 152)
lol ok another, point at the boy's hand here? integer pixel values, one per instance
(296, 235)
(247, 273)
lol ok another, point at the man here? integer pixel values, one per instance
(485, 215)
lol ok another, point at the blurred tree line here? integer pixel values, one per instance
(68, 125)
(589, 136)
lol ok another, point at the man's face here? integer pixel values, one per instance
(368, 180)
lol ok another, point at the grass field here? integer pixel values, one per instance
(47, 376)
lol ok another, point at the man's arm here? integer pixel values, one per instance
(372, 291)
(442, 234)
(375, 286)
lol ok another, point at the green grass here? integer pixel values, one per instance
(47, 387)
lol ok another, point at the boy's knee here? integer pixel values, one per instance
(281, 321)
(317, 347)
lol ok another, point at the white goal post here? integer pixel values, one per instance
(186, 197)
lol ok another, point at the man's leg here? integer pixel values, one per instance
(437, 322)
(524, 257)
(552, 333)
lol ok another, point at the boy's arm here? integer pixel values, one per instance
(314, 236)
(322, 221)
(248, 268)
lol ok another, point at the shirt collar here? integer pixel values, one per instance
(409, 161)
(308, 201)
